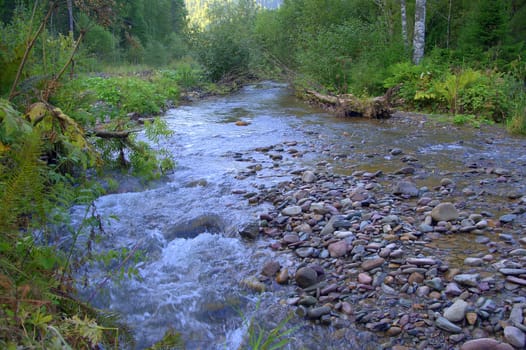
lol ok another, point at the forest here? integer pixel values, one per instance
(78, 78)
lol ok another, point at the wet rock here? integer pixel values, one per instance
(254, 284)
(421, 261)
(508, 218)
(471, 280)
(457, 311)
(306, 277)
(515, 337)
(359, 195)
(291, 238)
(396, 152)
(292, 210)
(368, 265)
(338, 249)
(516, 280)
(308, 177)
(446, 182)
(485, 344)
(444, 212)
(251, 231)
(408, 170)
(318, 312)
(307, 300)
(406, 188)
(510, 271)
(416, 277)
(453, 289)
(473, 261)
(270, 269)
(329, 228)
(435, 283)
(393, 331)
(516, 317)
(305, 252)
(347, 308)
(364, 278)
(283, 276)
(446, 325)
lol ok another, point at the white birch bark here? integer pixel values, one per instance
(403, 11)
(419, 37)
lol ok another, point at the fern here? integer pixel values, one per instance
(23, 185)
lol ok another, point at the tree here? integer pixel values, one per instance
(403, 13)
(69, 3)
(419, 36)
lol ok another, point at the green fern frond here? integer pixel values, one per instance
(22, 188)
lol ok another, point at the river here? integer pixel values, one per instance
(187, 224)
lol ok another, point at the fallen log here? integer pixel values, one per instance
(351, 106)
(105, 134)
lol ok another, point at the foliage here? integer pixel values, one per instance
(225, 47)
(37, 307)
(171, 340)
(95, 98)
(276, 338)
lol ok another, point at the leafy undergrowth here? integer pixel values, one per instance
(38, 305)
(470, 96)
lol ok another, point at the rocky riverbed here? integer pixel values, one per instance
(434, 266)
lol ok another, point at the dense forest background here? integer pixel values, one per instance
(76, 76)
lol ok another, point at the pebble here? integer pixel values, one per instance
(368, 265)
(406, 188)
(473, 262)
(453, 289)
(338, 249)
(515, 337)
(283, 276)
(308, 177)
(421, 261)
(306, 277)
(485, 344)
(457, 311)
(369, 257)
(471, 280)
(364, 278)
(318, 312)
(445, 212)
(508, 218)
(446, 325)
(291, 211)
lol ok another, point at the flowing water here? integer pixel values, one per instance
(186, 225)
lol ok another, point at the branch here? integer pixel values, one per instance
(28, 50)
(105, 134)
(53, 81)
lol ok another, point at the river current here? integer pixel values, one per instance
(186, 225)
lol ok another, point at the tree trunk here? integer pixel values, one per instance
(419, 37)
(448, 24)
(70, 16)
(403, 11)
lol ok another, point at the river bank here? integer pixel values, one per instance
(240, 162)
(422, 261)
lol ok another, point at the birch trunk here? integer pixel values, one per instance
(403, 11)
(419, 37)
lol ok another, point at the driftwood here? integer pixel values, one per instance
(350, 105)
(105, 134)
